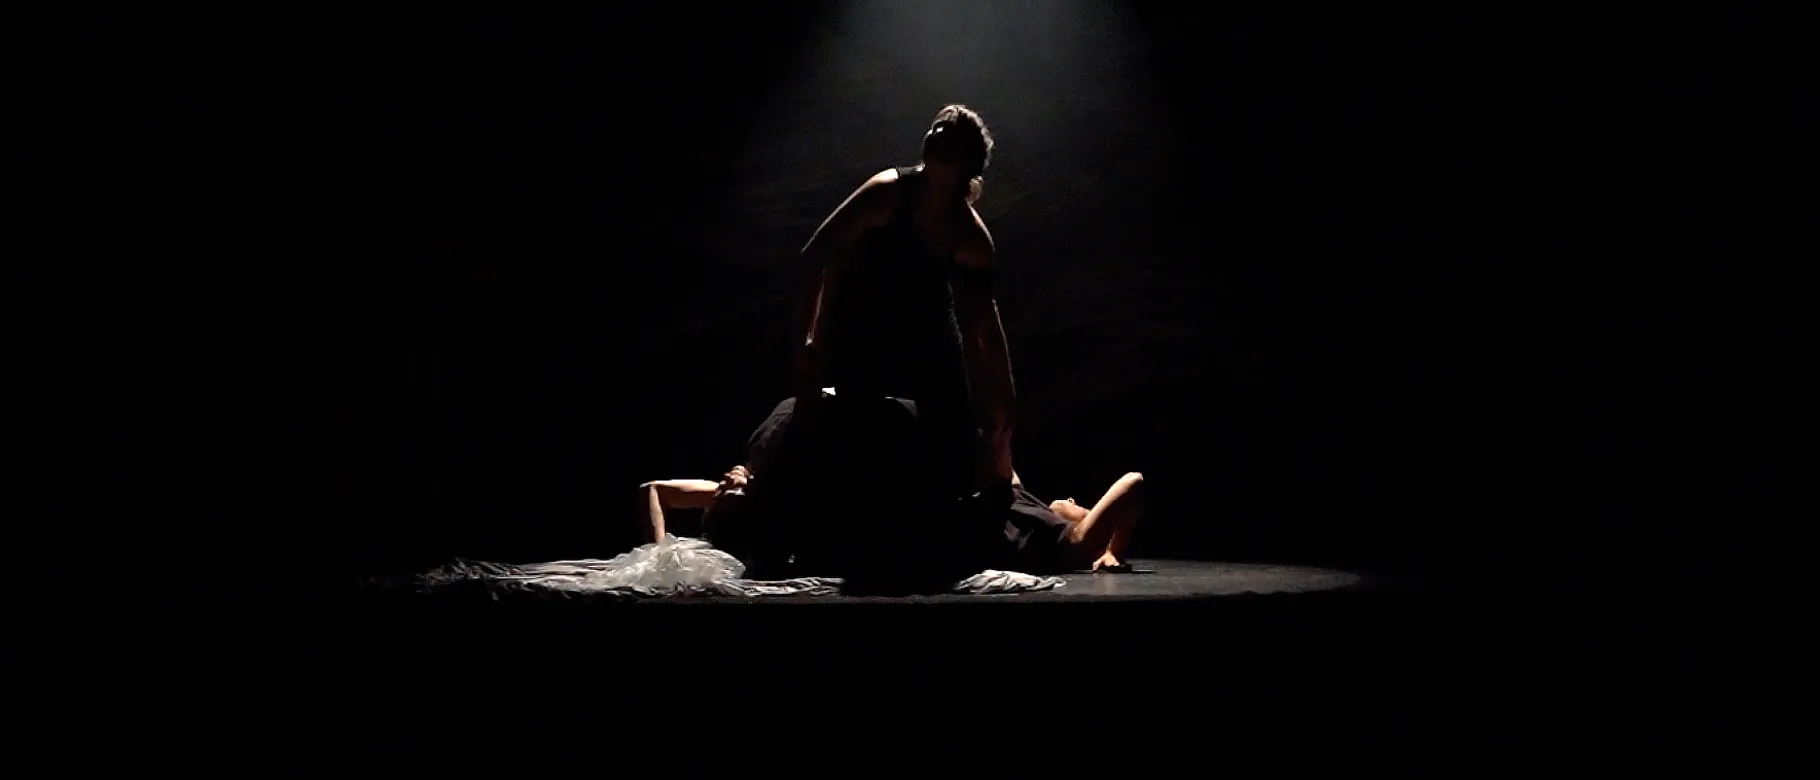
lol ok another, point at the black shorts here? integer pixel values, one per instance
(1038, 537)
(836, 486)
(775, 523)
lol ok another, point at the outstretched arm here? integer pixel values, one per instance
(687, 494)
(674, 494)
(822, 258)
(987, 352)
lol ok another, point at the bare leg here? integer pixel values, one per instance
(1121, 531)
(1098, 537)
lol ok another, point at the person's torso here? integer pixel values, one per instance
(895, 313)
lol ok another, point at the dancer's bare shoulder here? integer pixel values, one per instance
(869, 206)
(976, 249)
(886, 176)
(872, 203)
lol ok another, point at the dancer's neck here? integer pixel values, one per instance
(943, 191)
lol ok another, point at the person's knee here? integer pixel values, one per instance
(1131, 488)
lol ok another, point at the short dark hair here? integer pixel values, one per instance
(971, 143)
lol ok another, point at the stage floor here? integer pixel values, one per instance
(1150, 580)
(1166, 579)
(1245, 645)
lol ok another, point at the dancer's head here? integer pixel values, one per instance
(958, 143)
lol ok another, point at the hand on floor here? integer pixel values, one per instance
(1108, 562)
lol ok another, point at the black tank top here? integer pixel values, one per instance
(893, 327)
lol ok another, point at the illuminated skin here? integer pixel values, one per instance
(1096, 537)
(1105, 526)
(687, 494)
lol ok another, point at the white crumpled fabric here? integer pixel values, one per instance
(682, 566)
(672, 566)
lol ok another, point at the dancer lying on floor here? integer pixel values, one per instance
(1061, 536)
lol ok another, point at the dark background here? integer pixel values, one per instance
(1423, 290)
(1231, 245)
(1405, 290)
(1410, 291)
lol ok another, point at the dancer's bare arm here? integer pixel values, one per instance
(673, 494)
(683, 493)
(988, 354)
(868, 207)
(686, 494)
(1099, 533)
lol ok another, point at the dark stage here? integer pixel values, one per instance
(1180, 662)
(1154, 581)
(1226, 261)
(1234, 251)
(1134, 629)
(1454, 351)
